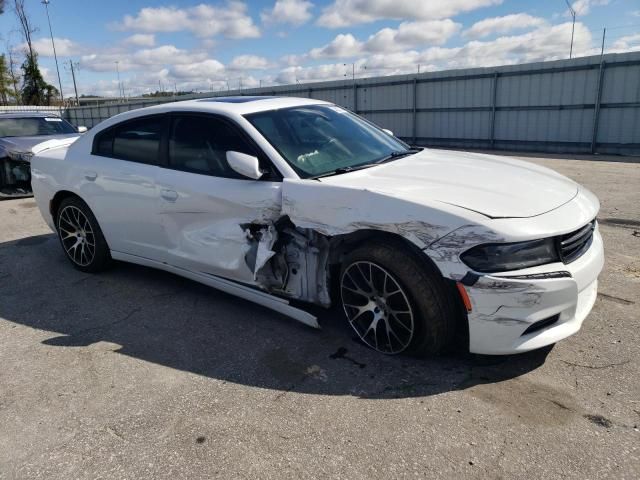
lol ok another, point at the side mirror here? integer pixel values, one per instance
(387, 131)
(245, 165)
(82, 129)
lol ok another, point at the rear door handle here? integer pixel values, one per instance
(91, 176)
(169, 195)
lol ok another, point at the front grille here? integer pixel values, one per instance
(573, 245)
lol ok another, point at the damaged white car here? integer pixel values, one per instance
(272, 199)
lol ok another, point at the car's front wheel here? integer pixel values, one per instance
(394, 302)
(81, 237)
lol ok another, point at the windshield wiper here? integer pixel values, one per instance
(398, 154)
(392, 156)
(341, 170)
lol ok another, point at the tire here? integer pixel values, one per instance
(418, 319)
(81, 237)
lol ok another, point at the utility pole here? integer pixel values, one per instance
(604, 34)
(119, 84)
(55, 56)
(573, 26)
(353, 71)
(73, 75)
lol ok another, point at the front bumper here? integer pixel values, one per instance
(503, 307)
(15, 178)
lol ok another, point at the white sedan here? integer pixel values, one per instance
(273, 199)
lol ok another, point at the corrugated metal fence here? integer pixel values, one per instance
(589, 104)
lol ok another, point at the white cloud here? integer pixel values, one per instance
(64, 47)
(408, 34)
(343, 46)
(208, 43)
(412, 34)
(627, 43)
(500, 25)
(141, 40)
(583, 7)
(249, 62)
(230, 20)
(299, 74)
(164, 55)
(206, 70)
(294, 12)
(343, 13)
(544, 43)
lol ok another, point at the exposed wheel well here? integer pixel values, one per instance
(342, 244)
(57, 199)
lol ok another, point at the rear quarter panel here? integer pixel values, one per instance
(49, 174)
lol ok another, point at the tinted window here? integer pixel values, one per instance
(200, 144)
(137, 141)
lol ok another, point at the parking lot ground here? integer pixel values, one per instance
(136, 373)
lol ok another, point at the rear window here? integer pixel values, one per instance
(136, 141)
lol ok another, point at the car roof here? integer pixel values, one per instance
(241, 105)
(28, 114)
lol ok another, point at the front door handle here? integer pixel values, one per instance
(91, 176)
(169, 195)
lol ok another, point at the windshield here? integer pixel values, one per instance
(319, 139)
(34, 126)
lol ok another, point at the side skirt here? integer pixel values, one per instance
(261, 298)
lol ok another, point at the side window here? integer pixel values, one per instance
(199, 144)
(137, 141)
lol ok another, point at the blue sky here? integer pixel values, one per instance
(213, 45)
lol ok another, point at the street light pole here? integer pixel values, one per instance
(573, 26)
(55, 56)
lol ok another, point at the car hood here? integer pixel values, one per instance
(26, 144)
(497, 187)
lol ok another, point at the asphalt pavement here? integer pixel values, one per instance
(136, 373)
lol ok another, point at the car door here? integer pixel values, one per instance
(209, 213)
(119, 183)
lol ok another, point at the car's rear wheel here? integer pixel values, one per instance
(394, 302)
(81, 237)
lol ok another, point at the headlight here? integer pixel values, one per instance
(20, 156)
(502, 257)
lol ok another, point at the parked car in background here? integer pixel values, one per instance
(275, 198)
(19, 133)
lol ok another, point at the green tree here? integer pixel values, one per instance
(35, 91)
(5, 81)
